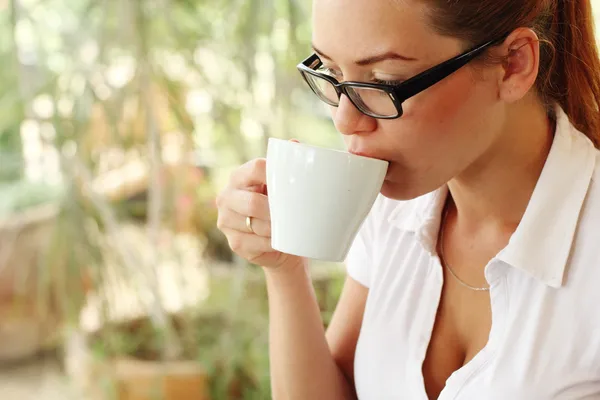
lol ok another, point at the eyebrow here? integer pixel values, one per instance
(390, 55)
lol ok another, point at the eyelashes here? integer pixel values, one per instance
(333, 73)
(389, 83)
(338, 76)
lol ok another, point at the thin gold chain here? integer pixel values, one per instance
(444, 260)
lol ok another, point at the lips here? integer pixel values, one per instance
(363, 154)
(358, 153)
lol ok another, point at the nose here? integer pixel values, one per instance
(349, 121)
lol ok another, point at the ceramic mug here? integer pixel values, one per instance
(319, 198)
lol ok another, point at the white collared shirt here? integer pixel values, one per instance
(544, 341)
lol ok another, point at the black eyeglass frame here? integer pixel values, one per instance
(398, 93)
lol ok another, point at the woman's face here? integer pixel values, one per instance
(444, 129)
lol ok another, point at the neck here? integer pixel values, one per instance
(495, 190)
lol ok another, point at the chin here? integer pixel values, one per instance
(398, 191)
(395, 191)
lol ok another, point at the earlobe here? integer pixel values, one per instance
(520, 66)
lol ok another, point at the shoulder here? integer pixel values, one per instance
(585, 251)
(590, 213)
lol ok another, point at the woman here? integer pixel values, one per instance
(477, 273)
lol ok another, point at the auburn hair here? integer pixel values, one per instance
(569, 63)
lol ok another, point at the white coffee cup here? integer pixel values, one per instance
(319, 198)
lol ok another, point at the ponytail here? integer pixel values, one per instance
(573, 78)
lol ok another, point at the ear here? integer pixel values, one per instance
(521, 51)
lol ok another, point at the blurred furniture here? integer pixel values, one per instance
(32, 282)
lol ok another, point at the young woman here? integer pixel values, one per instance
(477, 273)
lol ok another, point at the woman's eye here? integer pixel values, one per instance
(388, 82)
(331, 72)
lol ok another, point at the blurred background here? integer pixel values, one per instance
(120, 120)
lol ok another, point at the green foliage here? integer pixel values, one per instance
(231, 344)
(97, 78)
(18, 196)
(241, 351)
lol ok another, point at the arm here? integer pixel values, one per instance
(305, 362)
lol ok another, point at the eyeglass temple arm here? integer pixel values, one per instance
(426, 79)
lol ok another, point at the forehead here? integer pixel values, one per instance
(351, 29)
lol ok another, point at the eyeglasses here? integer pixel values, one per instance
(380, 100)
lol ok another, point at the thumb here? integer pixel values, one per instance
(262, 189)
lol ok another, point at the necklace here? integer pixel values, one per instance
(443, 257)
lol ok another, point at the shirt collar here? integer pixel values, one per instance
(542, 242)
(421, 216)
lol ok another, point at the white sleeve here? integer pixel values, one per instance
(360, 258)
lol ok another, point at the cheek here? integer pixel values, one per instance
(441, 109)
(439, 132)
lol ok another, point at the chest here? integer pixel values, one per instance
(523, 342)
(460, 331)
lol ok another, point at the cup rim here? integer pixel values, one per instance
(320, 148)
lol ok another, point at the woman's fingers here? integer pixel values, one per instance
(246, 196)
(243, 202)
(229, 219)
(247, 245)
(251, 175)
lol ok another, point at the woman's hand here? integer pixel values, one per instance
(246, 196)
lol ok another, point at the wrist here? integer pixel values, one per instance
(292, 267)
